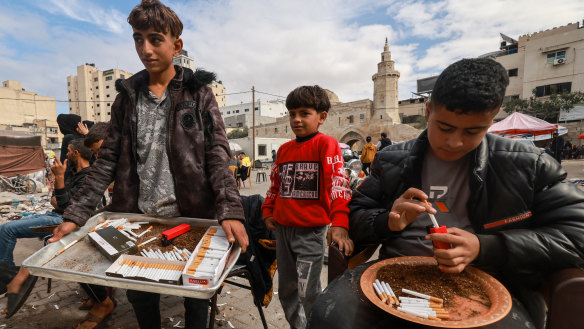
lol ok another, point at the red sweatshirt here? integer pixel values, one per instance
(309, 184)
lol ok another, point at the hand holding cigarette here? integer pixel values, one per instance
(465, 249)
(407, 208)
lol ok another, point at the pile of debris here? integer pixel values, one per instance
(14, 206)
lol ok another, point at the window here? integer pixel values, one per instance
(68, 84)
(122, 76)
(97, 96)
(558, 88)
(228, 112)
(98, 113)
(507, 99)
(262, 149)
(108, 78)
(108, 113)
(350, 118)
(236, 111)
(106, 87)
(97, 104)
(107, 96)
(96, 88)
(69, 91)
(246, 110)
(556, 55)
(361, 117)
(257, 108)
(108, 104)
(276, 130)
(513, 72)
(94, 79)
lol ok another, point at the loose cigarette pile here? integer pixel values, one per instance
(214, 245)
(149, 270)
(176, 254)
(424, 306)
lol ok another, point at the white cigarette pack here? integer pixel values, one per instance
(116, 266)
(217, 252)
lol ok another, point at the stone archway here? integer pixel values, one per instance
(354, 140)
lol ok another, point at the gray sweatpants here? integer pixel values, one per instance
(300, 254)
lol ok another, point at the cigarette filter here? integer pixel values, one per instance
(424, 296)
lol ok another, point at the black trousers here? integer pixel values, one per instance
(95, 292)
(147, 308)
(367, 168)
(7, 273)
(342, 305)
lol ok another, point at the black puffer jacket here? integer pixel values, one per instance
(526, 219)
(198, 153)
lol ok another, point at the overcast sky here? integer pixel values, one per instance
(272, 45)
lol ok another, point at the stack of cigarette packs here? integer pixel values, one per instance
(147, 269)
(206, 264)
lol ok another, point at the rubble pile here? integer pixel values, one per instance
(14, 206)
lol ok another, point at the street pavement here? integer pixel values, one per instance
(59, 307)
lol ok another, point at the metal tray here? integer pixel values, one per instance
(84, 263)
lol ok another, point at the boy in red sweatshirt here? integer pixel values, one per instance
(309, 190)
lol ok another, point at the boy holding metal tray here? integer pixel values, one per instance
(166, 149)
(504, 204)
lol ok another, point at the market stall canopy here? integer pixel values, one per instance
(519, 123)
(20, 153)
(344, 146)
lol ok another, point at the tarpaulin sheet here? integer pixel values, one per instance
(21, 159)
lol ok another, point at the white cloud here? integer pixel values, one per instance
(108, 19)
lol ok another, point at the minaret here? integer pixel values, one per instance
(385, 96)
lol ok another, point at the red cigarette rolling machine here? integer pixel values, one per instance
(168, 235)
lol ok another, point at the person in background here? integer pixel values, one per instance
(557, 147)
(383, 142)
(367, 155)
(244, 164)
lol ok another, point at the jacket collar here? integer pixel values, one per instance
(413, 165)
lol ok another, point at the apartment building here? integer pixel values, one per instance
(92, 92)
(29, 112)
(184, 60)
(547, 61)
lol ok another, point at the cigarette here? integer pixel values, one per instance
(70, 244)
(385, 295)
(393, 296)
(379, 294)
(417, 294)
(147, 230)
(418, 313)
(147, 241)
(432, 218)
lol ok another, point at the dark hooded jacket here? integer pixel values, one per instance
(527, 220)
(68, 127)
(197, 147)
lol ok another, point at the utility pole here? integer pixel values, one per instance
(253, 126)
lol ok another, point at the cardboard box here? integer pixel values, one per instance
(205, 280)
(112, 243)
(111, 271)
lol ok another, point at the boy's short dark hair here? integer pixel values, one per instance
(84, 151)
(153, 14)
(471, 85)
(240, 153)
(368, 138)
(98, 132)
(384, 135)
(308, 96)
